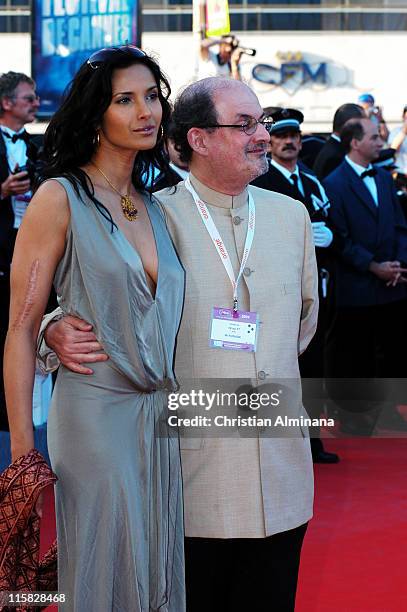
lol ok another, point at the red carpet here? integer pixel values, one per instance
(355, 553)
(48, 531)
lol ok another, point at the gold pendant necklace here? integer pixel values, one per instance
(128, 207)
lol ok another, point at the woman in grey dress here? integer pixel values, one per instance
(95, 232)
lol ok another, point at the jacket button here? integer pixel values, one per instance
(236, 220)
(261, 375)
(247, 271)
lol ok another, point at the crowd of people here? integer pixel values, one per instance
(146, 521)
(361, 241)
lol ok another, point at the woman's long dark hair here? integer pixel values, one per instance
(71, 137)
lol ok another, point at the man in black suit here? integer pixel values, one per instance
(285, 176)
(18, 106)
(332, 153)
(368, 337)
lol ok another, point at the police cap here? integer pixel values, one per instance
(286, 119)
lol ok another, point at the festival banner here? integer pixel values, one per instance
(66, 32)
(217, 17)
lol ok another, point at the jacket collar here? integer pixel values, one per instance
(284, 171)
(360, 190)
(215, 198)
(3, 150)
(3, 160)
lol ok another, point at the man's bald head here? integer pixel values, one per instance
(196, 107)
(214, 83)
(210, 86)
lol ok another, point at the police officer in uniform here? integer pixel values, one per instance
(286, 176)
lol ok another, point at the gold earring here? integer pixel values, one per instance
(96, 139)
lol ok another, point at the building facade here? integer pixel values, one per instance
(311, 54)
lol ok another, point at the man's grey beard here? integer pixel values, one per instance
(262, 169)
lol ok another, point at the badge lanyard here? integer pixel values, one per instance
(218, 242)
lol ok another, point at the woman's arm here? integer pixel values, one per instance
(39, 247)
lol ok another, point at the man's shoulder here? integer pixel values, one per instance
(267, 197)
(37, 140)
(173, 196)
(273, 178)
(309, 175)
(332, 143)
(272, 201)
(332, 149)
(384, 177)
(338, 175)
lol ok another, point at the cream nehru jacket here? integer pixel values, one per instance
(245, 487)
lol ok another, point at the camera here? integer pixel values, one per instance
(248, 51)
(32, 168)
(19, 169)
(34, 164)
(232, 40)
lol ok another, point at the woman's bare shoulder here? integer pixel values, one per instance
(52, 188)
(51, 199)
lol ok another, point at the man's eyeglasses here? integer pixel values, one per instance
(104, 55)
(249, 126)
(29, 99)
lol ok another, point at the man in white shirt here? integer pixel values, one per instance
(368, 336)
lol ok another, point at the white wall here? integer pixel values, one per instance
(15, 53)
(358, 63)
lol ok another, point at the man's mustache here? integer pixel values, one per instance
(288, 148)
(265, 147)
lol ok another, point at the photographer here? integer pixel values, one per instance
(18, 106)
(375, 114)
(226, 61)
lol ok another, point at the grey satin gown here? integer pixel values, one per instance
(119, 490)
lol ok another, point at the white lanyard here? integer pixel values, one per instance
(218, 242)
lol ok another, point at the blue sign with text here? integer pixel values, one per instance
(272, 75)
(66, 32)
